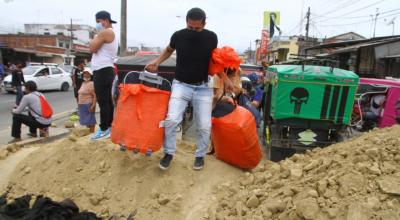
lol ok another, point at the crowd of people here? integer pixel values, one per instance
(192, 83)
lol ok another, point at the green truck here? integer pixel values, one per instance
(305, 107)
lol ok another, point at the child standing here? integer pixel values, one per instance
(87, 101)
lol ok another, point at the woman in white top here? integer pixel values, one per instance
(104, 47)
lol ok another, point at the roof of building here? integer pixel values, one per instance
(366, 44)
(348, 33)
(351, 42)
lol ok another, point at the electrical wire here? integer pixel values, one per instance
(360, 22)
(340, 7)
(297, 25)
(356, 10)
(351, 17)
(313, 24)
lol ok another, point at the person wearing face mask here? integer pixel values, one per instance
(87, 101)
(194, 46)
(104, 47)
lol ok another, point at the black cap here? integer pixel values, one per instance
(104, 15)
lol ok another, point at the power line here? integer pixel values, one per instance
(295, 26)
(356, 10)
(351, 17)
(316, 29)
(341, 6)
(360, 22)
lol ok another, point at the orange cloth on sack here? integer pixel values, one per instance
(138, 117)
(235, 139)
(222, 58)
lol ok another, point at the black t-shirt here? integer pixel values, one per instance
(193, 50)
(78, 74)
(17, 78)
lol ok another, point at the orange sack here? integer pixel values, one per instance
(235, 139)
(223, 58)
(138, 116)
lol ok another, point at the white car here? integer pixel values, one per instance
(46, 77)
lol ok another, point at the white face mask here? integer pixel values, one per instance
(86, 79)
(99, 26)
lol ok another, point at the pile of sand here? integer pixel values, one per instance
(100, 178)
(358, 179)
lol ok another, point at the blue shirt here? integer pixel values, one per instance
(258, 96)
(2, 69)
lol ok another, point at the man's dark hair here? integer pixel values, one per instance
(18, 62)
(196, 14)
(80, 62)
(31, 86)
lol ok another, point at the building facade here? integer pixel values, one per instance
(41, 48)
(82, 33)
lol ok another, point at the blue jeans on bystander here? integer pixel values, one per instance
(19, 94)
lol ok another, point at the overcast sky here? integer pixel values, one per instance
(236, 22)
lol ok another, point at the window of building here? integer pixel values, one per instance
(46, 33)
(60, 44)
(67, 45)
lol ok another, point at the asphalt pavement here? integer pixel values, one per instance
(60, 101)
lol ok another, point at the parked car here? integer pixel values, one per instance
(68, 68)
(47, 77)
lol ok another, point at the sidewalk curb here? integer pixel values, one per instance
(38, 140)
(63, 114)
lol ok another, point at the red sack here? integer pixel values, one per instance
(138, 115)
(47, 111)
(235, 139)
(223, 58)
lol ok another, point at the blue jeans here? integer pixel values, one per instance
(201, 98)
(19, 96)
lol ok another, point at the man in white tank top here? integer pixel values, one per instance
(104, 47)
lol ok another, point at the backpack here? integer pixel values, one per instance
(47, 110)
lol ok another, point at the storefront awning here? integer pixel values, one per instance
(391, 57)
(24, 50)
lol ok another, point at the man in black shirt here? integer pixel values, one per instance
(17, 79)
(77, 78)
(193, 46)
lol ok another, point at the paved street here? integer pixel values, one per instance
(60, 101)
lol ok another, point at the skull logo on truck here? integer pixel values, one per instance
(298, 96)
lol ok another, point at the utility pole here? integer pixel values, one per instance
(307, 28)
(71, 44)
(257, 43)
(376, 19)
(72, 35)
(301, 17)
(308, 23)
(391, 22)
(250, 53)
(123, 27)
